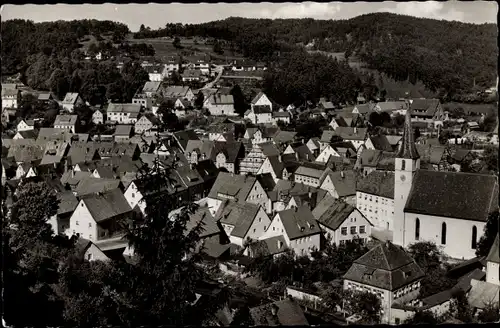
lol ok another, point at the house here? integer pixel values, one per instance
(45, 96)
(146, 123)
(283, 117)
(261, 134)
(240, 188)
(98, 216)
(261, 100)
(279, 313)
(242, 221)
(181, 106)
(156, 72)
(375, 198)
(426, 110)
(370, 160)
(357, 136)
(259, 114)
(309, 174)
(337, 121)
(98, 117)
(314, 146)
(30, 134)
(151, 88)
(284, 137)
(123, 113)
(228, 155)
(325, 154)
(392, 107)
(71, 100)
(67, 205)
(123, 133)
(378, 142)
(388, 272)
(182, 138)
(176, 91)
(298, 227)
(67, 122)
(10, 97)
(190, 75)
(219, 104)
(340, 221)
(89, 251)
(273, 246)
(340, 185)
(449, 215)
(25, 125)
(364, 109)
(26, 153)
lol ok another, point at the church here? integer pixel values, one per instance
(447, 208)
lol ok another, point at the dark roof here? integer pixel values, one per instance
(284, 136)
(262, 109)
(30, 134)
(407, 148)
(104, 206)
(269, 246)
(348, 133)
(207, 170)
(429, 105)
(460, 154)
(299, 222)
(67, 202)
(288, 313)
(184, 136)
(240, 215)
(257, 97)
(235, 185)
(458, 195)
(493, 254)
(430, 153)
(230, 149)
(332, 212)
(344, 182)
(266, 180)
(380, 142)
(385, 266)
(91, 185)
(377, 183)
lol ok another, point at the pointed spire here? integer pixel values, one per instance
(407, 148)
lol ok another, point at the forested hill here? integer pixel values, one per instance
(443, 54)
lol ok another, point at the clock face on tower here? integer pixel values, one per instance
(403, 177)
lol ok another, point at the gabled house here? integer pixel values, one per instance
(378, 142)
(259, 114)
(242, 221)
(240, 188)
(272, 246)
(147, 123)
(261, 100)
(45, 96)
(309, 174)
(25, 125)
(123, 133)
(283, 117)
(340, 185)
(98, 117)
(357, 136)
(71, 100)
(100, 216)
(10, 97)
(182, 138)
(26, 135)
(228, 155)
(123, 113)
(387, 271)
(67, 205)
(175, 91)
(314, 146)
(340, 221)
(298, 227)
(426, 110)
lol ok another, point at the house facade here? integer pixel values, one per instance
(219, 105)
(123, 113)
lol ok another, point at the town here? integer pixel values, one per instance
(193, 178)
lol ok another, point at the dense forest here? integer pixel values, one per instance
(443, 55)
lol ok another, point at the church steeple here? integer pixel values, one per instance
(407, 149)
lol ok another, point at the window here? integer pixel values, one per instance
(133, 195)
(474, 237)
(90, 237)
(89, 256)
(353, 230)
(403, 163)
(76, 222)
(274, 228)
(260, 219)
(90, 224)
(362, 229)
(81, 204)
(417, 229)
(254, 230)
(264, 228)
(343, 231)
(443, 233)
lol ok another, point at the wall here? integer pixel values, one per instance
(134, 197)
(328, 186)
(266, 167)
(142, 125)
(93, 253)
(259, 225)
(22, 126)
(276, 228)
(309, 181)
(305, 245)
(302, 295)
(97, 118)
(258, 195)
(355, 219)
(379, 210)
(221, 109)
(458, 233)
(492, 273)
(326, 153)
(83, 223)
(213, 205)
(384, 295)
(263, 100)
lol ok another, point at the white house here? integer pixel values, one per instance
(25, 125)
(123, 113)
(309, 174)
(388, 272)
(71, 100)
(493, 264)
(262, 100)
(98, 117)
(325, 154)
(242, 221)
(340, 221)
(176, 91)
(299, 229)
(451, 214)
(96, 215)
(219, 104)
(340, 185)
(260, 114)
(283, 117)
(66, 122)
(10, 97)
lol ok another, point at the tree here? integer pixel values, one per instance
(489, 314)
(200, 98)
(490, 233)
(217, 48)
(366, 304)
(242, 317)
(167, 115)
(93, 50)
(490, 159)
(177, 43)
(239, 100)
(422, 317)
(459, 307)
(84, 115)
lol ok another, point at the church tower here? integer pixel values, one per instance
(407, 162)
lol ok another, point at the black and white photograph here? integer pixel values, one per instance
(250, 164)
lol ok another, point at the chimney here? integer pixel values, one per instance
(342, 174)
(303, 140)
(297, 155)
(355, 130)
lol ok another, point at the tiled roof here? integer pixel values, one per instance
(303, 152)
(123, 108)
(332, 212)
(30, 134)
(389, 106)
(232, 184)
(344, 182)
(493, 254)
(483, 294)
(123, 130)
(430, 153)
(269, 149)
(184, 136)
(366, 108)
(257, 97)
(266, 181)
(151, 86)
(201, 147)
(90, 185)
(65, 120)
(380, 142)
(310, 170)
(230, 149)
(176, 91)
(377, 183)
(53, 134)
(200, 216)
(26, 153)
(299, 222)
(288, 313)
(268, 246)
(429, 105)
(280, 114)
(385, 266)
(327, 136)
(240, 215)
(220, 99)
(67, 202)
(458, 195)
(70, 98)
(106, 205)
(348, 133)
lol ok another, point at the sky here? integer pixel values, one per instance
(157, 15)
